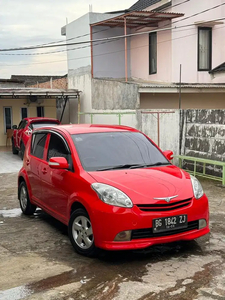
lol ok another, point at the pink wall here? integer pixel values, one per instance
(139, 55)
(179, 46)
(184, 44)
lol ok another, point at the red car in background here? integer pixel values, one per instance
(22, 133)
(112, 186)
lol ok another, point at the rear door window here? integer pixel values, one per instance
(38, 144)
(22, 124)
(43, 124)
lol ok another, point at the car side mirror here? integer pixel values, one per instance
(58, 163)
(168, 154)
(14, 127)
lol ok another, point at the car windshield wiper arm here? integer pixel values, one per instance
(150, 165)
(133, 166)
(125, 166)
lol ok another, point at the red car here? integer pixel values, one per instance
(112, 186)
(24, 130)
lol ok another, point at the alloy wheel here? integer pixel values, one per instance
(82, 232)
(23, 198)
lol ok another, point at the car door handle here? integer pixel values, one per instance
(27, 162)
(44, 171)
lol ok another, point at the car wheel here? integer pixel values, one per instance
(26, 206)
(22, 150)
(14, 150)
(81, 233)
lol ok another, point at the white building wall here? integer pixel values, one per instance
(168, 124)
(109, 57)
(78, 55)
(79, 69)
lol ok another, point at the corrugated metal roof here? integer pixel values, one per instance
(142, 4)
(37, 91)
(139, 18)
(12, 80)
(196, 86)
(220, 68)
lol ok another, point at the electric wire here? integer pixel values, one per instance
(169, 7)
(83, 47)
(107, 53)
(60, 51)
(111, 38)
(87, 34)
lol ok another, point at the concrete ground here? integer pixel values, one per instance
(9, 163)
(37, 260)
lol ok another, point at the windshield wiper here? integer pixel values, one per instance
(133, 166)
(150, 165)
(125, 166)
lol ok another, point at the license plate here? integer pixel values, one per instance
(169, 223)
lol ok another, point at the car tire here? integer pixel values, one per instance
(81, 234)
(14, 150)
(22, 150)
(26, 206)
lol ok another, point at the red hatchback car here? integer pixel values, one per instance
(22, 133)
(112, 186)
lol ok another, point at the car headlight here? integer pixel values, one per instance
(197, 188)
(111, 195)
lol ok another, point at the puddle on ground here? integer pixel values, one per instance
(10, 213)
(21, 292)
(54, 281)
(16, 293)
(17, 212)
(125, 269)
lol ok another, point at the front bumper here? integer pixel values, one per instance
(108, 221)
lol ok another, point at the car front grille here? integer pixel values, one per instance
(165, 207)
(148, 233)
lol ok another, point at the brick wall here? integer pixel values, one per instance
(60, 83)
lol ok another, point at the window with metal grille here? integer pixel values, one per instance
(204, 48)
(40, 111)
(7, 118)
(23, 112)
(153, 53)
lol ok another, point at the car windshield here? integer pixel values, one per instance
(45, 124)
(116, 150)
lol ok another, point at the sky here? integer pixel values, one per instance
(29, 22)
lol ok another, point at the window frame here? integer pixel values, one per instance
(4, 118)
(150, 52)
(42, 110)
(209, 29)
(64, 141)
(32, 145)
(22, 124)
(21, 115)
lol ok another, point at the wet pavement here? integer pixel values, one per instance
(37, 260)
(9, 162)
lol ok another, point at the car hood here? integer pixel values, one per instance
(145, 184)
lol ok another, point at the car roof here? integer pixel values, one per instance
(88, 128)
(37, 119)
